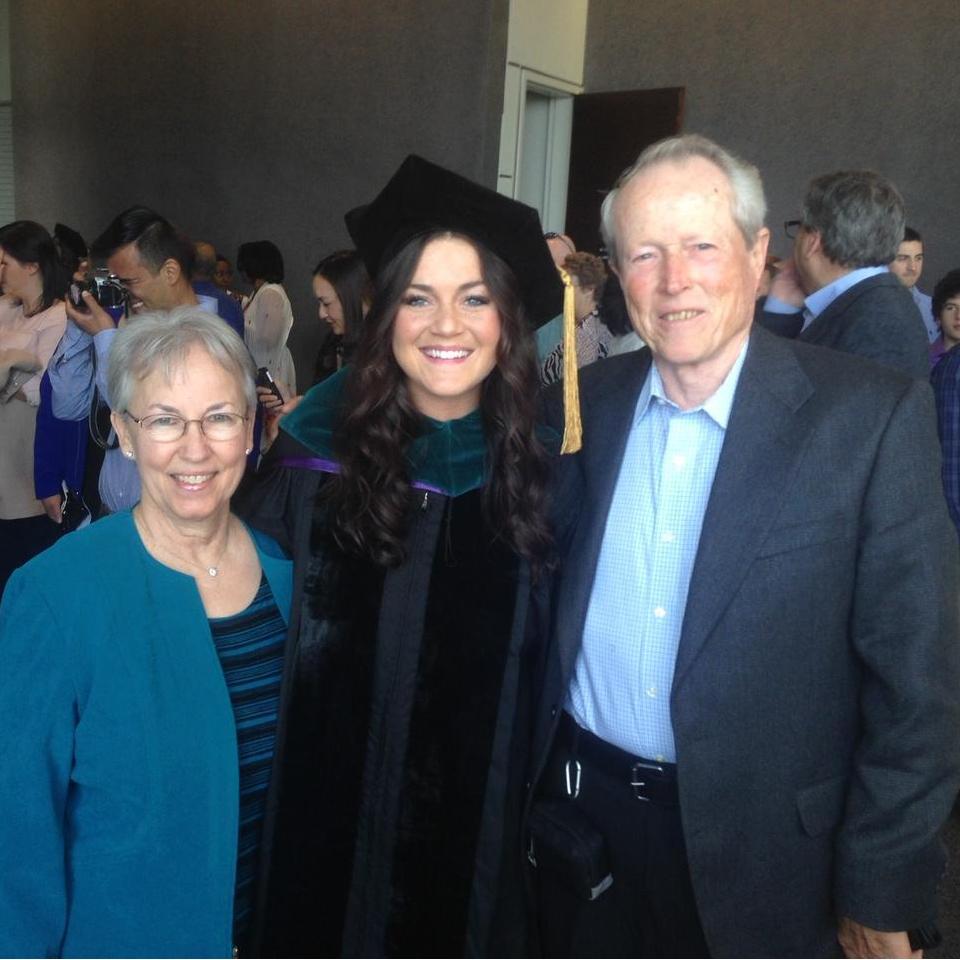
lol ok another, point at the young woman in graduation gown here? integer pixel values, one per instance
(410, 490)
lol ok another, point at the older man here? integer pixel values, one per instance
(838, 289)
(750, 696)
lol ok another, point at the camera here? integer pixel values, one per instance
(105, 286)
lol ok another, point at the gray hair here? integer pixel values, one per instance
(161, 340)
(749, 208)
(859, 216)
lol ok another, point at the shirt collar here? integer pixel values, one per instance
(717, 406)
(817, 302)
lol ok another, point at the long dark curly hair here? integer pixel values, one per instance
(369, 503)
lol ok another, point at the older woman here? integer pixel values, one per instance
(410, 487)
(32, 321)
(141, 659)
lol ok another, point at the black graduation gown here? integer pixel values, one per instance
(387, 830)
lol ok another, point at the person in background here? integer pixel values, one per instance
(267, 314)
(945, 379)
(908, 266)
(139, 717)
(32, 321)
(410, 488)
(343, 292)
(836, 290)
(60, 447)
(205, 288)
(945, 305)
(589, 277)
(223, 277)
(551, 332)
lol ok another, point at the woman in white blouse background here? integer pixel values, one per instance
(267, 315)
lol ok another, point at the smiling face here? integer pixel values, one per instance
(148, 290)
(689, 279)
(190, 480)
(908, 263)
(329, 308)
(950, 321)
(446, 331)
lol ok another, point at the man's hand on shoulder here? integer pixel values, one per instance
(93, 319)
(860, 941)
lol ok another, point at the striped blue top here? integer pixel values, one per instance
(250, 647)
(623, 676)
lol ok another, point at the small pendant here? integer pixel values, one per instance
(212, 571)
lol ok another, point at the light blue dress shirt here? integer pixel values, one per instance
(819, 300)
(78, 366)
(623, 676)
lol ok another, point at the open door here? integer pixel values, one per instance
(609, 132)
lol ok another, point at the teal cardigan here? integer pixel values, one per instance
(118, 754)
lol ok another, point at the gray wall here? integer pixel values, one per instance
(263, 121)
(803, 88)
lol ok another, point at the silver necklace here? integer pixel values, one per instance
(212, 571)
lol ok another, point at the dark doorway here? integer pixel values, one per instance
(609, 131)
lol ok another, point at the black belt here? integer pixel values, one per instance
(650, 780)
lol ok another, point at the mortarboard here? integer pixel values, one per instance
(422, 196)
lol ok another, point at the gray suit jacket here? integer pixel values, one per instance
(876, 318)
(815, 699)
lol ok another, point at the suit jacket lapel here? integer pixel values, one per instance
(766, 435)
(607, 418)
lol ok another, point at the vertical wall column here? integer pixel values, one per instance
(6, 119)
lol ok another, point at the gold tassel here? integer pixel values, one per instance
(572, 427)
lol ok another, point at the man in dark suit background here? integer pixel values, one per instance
(750, 688)
(837, 290)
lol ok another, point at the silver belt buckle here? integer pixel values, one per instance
(636, 773)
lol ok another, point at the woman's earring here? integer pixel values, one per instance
(128, 454)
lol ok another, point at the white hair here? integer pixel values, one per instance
(749, 208)
(161, 341)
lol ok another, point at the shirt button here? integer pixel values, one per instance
(679, 461)
(668, 536)
(659, 612)
(652, 692)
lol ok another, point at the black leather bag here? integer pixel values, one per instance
(564, 843)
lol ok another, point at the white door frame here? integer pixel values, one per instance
(519, 80)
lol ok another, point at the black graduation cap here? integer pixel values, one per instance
(421, 196)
